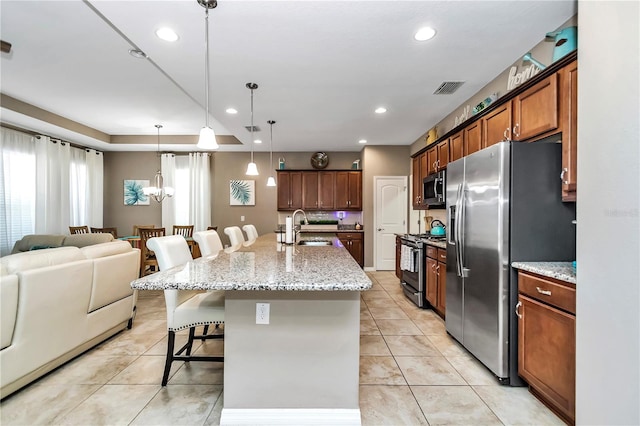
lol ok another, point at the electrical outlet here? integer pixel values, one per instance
(241, 218)
(262, 313)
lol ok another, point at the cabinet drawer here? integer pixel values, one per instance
(350, 235)
(548, 290)
(442, 255)
(432, 252)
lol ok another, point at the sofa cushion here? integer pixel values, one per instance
(20, 262)
(36, 240)
(106, 249)
(83, 240)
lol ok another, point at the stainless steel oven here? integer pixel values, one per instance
(413, 265)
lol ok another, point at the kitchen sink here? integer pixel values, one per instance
(315, 243)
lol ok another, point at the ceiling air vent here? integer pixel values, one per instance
(255, 128)
(448, 87)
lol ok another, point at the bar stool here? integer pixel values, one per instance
(251, 231)
(235, 235)
(184, 310)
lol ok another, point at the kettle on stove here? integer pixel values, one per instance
(437, 228)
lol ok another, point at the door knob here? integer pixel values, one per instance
(380, 229)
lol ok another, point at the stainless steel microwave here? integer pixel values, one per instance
(433, 189)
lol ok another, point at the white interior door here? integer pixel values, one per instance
(390, 218)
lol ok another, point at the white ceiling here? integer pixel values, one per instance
(322, 66)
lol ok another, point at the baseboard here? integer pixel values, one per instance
(369, 269)
(290, 416)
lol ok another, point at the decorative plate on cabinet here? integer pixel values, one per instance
(319, 160)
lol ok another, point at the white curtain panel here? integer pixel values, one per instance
(95, 188)
(200, 188)
(17, 187)
(168, 168)
(53, 203)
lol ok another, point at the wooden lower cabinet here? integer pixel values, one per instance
(398, 254)
(354, 243)
(436, 279)
(547, 341)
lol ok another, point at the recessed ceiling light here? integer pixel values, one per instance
(231, 111)
(425, 33)
(257, 141)
(362, 141)
(166, 34)
(137, 54)
(381, 110)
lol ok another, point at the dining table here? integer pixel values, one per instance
(292, 327)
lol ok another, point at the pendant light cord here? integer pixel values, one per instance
(252, 143)
(159, 126)
(206, 65)
(271, 123)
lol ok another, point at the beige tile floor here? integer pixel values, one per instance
(411, 373)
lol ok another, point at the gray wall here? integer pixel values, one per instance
(119, 166)
(379, 161)
(224, 166)
(608, 289)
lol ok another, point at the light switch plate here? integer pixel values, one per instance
(262, 313)
(241, 218)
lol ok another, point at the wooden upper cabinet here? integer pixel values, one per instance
(443, 155)
(289, 190)
(472, 138)
(456, 146)
(326, 188)
(417, 182)
(496, 126)
(310, 190)
(432, 160)
(569, 121)
(348, 190)
(536, 110)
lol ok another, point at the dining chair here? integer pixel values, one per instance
(112, 231)
(184, 230)
(184, 309)
(212, 228)
(78, 230)
(148, 257)
(251, 231)
(235, 235)
(136, 227)
(209, 242)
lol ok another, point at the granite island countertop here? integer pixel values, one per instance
(267, 265)
(563, 271)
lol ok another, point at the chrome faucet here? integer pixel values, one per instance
(293, 219)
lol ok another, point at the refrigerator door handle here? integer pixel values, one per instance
(463, 271)
(457, 232)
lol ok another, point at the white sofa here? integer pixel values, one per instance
(56, 303)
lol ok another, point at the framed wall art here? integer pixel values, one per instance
(242, 192)
(133, 194)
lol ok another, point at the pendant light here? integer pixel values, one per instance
(271, 181)
(158, 191)
(207, 138)
(252, 169)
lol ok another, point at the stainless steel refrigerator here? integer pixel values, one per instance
(503, 205)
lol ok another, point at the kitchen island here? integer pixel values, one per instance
(303, 366)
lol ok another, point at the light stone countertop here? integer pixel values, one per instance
(267, 265)
(438, 243)
(563, 271)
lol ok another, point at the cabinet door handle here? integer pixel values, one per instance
(562, 175)
(545, 292)
(517, 309)
(516, 133)
(507, 138)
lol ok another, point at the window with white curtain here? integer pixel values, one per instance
(181, 188)
(190, 177)
(46, 186)
(17, 187)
